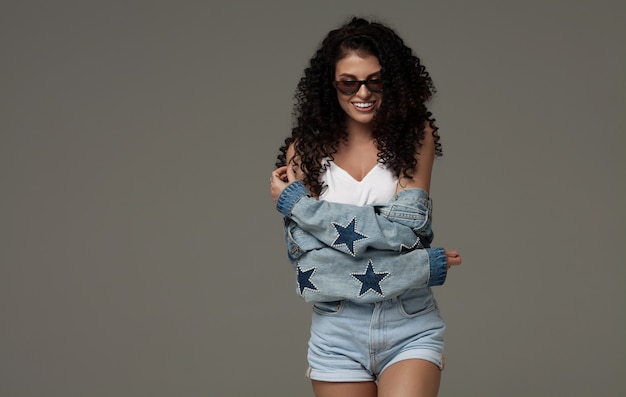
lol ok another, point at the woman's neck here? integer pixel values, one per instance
(359, 133)
(360, 140)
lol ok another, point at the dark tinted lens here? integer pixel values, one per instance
(347, 85)
(375, 85)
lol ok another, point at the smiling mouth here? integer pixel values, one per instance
(362, 106)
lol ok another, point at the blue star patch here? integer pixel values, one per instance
(370, 280)
(348, 236)
(304, 279)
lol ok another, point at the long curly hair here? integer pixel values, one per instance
(398, 126)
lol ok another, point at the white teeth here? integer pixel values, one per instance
(363, 105)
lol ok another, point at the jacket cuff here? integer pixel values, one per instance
(290, 196)
(438, 266)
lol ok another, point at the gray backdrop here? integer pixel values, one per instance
(140, 251)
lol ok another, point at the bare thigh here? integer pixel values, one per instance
(344, 389)
(413, 377)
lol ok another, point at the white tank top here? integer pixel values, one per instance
(377, 187)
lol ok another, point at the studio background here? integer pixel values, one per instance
(140, 252)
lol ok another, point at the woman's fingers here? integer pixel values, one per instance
(291, 173)
(453, 257)
(281, 173)
(278, 182)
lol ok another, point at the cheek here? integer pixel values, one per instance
(344, 104)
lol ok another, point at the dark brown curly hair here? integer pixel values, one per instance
(398, 126)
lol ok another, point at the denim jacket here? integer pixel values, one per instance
(360, 253)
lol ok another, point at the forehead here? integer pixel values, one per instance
(357, 65)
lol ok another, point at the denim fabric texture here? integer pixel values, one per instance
(368, 270)
(352, 342)
(399, 225)
(360, 253)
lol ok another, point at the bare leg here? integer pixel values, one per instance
(410, 378)
(344, 389)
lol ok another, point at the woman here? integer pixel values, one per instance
(363, 138)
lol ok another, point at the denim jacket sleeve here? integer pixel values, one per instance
(324, 275)
(402, 224)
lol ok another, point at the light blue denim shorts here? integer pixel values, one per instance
(356, 342)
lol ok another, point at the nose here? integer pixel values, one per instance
(363, 92)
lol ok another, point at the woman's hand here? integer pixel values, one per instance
(281, 177)
(453, 257)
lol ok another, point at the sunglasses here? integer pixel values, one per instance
(349, 87)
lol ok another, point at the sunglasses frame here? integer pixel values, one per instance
(360, 84)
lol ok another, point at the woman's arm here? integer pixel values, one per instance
(425, 157)
(326, 275)
(353, 229)
(350, 228)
